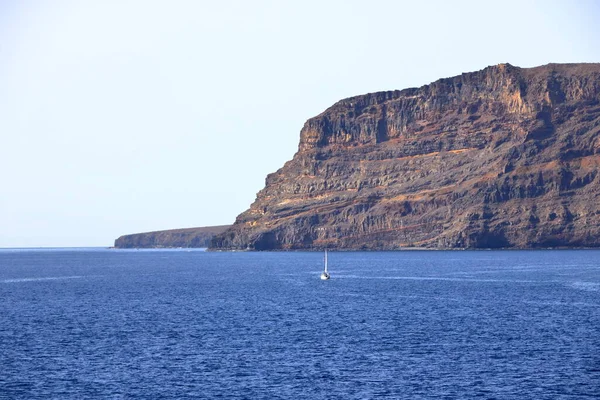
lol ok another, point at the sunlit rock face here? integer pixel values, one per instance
(502, 157)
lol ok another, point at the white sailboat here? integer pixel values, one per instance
(325, 275)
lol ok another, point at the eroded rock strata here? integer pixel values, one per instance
(505, 157)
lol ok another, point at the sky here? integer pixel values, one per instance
(126, 116)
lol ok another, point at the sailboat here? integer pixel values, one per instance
(325, 275)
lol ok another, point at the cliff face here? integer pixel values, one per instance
(503, 157)
(192, 237)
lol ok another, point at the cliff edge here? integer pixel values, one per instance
(505, 157)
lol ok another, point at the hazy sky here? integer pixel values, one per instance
(128, 116)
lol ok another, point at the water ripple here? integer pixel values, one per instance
(402, 325)
(39, 279)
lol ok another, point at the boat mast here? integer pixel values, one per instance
(325, 260)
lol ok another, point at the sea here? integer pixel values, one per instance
(190, 324)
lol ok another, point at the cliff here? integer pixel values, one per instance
(191, 237)
(505, 157)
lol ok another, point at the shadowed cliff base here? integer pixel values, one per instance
(190, 237)
(505, 157)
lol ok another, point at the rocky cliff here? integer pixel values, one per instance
(505, 157)
(191, 237)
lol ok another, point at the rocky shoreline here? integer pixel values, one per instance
(505, 157)
(174, 238)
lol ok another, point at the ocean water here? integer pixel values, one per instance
(117, 324)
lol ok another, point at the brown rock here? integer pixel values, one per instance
(502, 157)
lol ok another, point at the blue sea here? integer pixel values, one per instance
(151, 324)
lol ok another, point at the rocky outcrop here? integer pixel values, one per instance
(505, 157)
(191, 237)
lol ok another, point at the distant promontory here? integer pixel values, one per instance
(191, 237)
